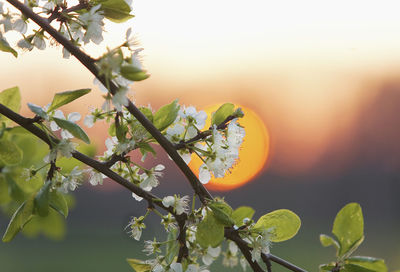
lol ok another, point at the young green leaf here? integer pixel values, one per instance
(222, 113)
(283, 224)
(355, 268)
(133, 73)
(42, 200)
(222, 212)
(241, 213)
(10, 153)
(371, 263)
(117, 11)
(327, 267)
(138, 265)
(166, 115)
(10, 98)
(63, 98)
(328, 241)
(37, 110)
(73, 128)
(5, 47)
(21, 216)
(348, 227)
(147, 112)
(58, 203)
(14, 190)
(146, 148)
(4, 196)
(210, 232)
(172, 246)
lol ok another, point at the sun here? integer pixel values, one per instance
(253, 153)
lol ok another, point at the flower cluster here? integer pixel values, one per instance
(222, 151)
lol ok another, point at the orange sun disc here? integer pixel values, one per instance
(253, 153)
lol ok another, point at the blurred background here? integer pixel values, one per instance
(324, 78)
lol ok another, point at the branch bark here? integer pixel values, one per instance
(89, 63)
(199, 189)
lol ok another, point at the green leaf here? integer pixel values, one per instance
(326, 241)
(5, 46)
(13, 189)
(348, 227)
(42, 200)
(117, 11)
(52, 226)
(63, 98)
(10, 153)
(222, 113)
(172, 246)
(146, 148)
(371, 263)
(147, 112)
(33, 148)
(58, 203)
(222, 212)
(120, 131)
(73, 128)
(241, 213)
(327, 267)
(21, 216)
(355, 268)
(166, 115)
(138, 265)
(210, 232)
(37, 110)
(132, 73)
(10, 98)
(283, 224)
(4, 196)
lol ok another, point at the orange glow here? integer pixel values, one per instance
(253, 153)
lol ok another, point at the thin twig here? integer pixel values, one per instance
(89, 63)
(97, 165)
(204, 134)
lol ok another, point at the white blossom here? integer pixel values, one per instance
(93, 21)
(210, 255)
(64, 148)
(96, 177)
(204, 174)
(197, 118)
(136, 226)
(102, 88)
(6, 22)
(150, 177)
(39, 42)
(24, 44)
(119, 99)
(89, 120)
(72, 181)
(151, 247)
(136, 197)
(20, 26)
(180, 205)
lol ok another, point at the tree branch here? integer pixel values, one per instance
(99, 166)
(89, 63)
(204, 134)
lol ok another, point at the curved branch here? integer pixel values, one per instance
(89, 63)
(99, 166)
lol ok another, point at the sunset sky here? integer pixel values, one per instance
(323, 76)
(306, 67)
